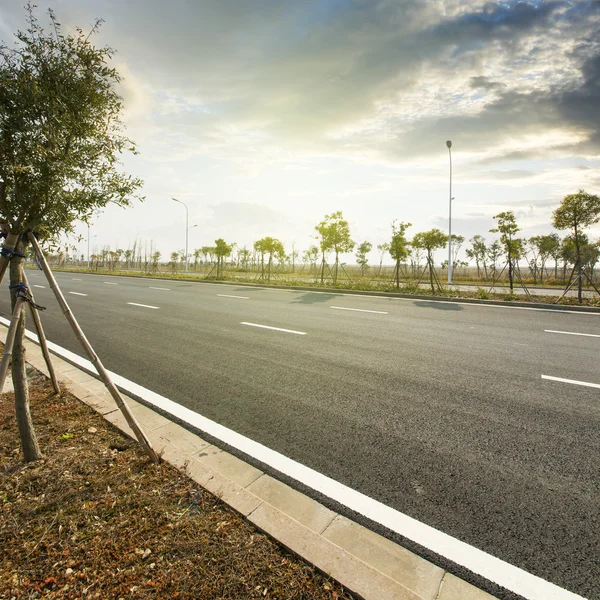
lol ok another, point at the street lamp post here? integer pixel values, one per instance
(187, 229)
(449, 144)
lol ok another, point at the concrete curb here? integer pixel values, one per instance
(366, 563)
(420, 297)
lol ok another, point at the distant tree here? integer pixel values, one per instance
(576, 212)
(334, 233)
(174, 262)
(310, 256)
(260, 248)
(154, 258)
(269, 246)
(383, 248)
(541, 247)
(494, 252)
(197, 253)
(457, 242)
(430, 241)
(128, 258)
(478, 253)
(555, 250)
(222, 251)
(245, 257)
(294, 256)
(361, 256)
(399, 246)
(513, 247)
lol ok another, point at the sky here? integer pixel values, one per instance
(263, 116)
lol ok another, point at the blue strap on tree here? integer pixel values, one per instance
(21, 290)
(10, 253)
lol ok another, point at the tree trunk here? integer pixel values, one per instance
(430, 261)
(29, 443)
(323, 269)
(336, 269)
(578, 266)
(398, 274)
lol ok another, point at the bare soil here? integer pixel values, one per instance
(96, 519)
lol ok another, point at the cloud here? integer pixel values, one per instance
(373, 79)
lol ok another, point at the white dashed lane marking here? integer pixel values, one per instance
(143, 305)
(379, 312)
(572, 333)
(229, 296)
(77, 294)
(572, 381)
(274, 328)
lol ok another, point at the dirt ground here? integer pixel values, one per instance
(96, 519)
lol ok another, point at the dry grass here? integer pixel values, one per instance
(95, 519)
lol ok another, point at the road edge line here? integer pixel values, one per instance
(482, 564)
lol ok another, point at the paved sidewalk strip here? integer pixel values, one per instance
(368, 564)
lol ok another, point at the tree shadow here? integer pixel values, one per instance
(314, 298)
(438, 305)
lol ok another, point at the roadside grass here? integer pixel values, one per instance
(406, 287)
(96, 519)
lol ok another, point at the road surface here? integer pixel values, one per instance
(439, 410)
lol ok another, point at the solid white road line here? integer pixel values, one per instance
(379, 312)
(498, 571)
(77, 294)
(157, 288)
(143, 305)
(110, 283)
(573, 381)
(572, 333)
(274, 328)
(76, 279)
(229, 296)
(39, 286)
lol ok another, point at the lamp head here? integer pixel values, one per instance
(449, 144)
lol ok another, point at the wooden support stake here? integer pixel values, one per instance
(110, 386)
(42, 338)
(9, 243)
(10, 340)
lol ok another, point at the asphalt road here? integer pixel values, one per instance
(437, 409)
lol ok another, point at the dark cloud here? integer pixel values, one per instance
(485, 83)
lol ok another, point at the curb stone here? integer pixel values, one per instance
(367, 564)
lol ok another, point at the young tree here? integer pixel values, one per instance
(543, 247)
(310, 256)
(576, 212)
(430, 241)
(399, 246)
(272, 247)
(222, 250)
(513, 247)
(244, 257)
(554, 245)
(361, 256)
(383, 248)
(335, 235)
(174, 263)
(197, 253)
(59, 146)
(478, 252)
(457, 242)
(259, 246)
